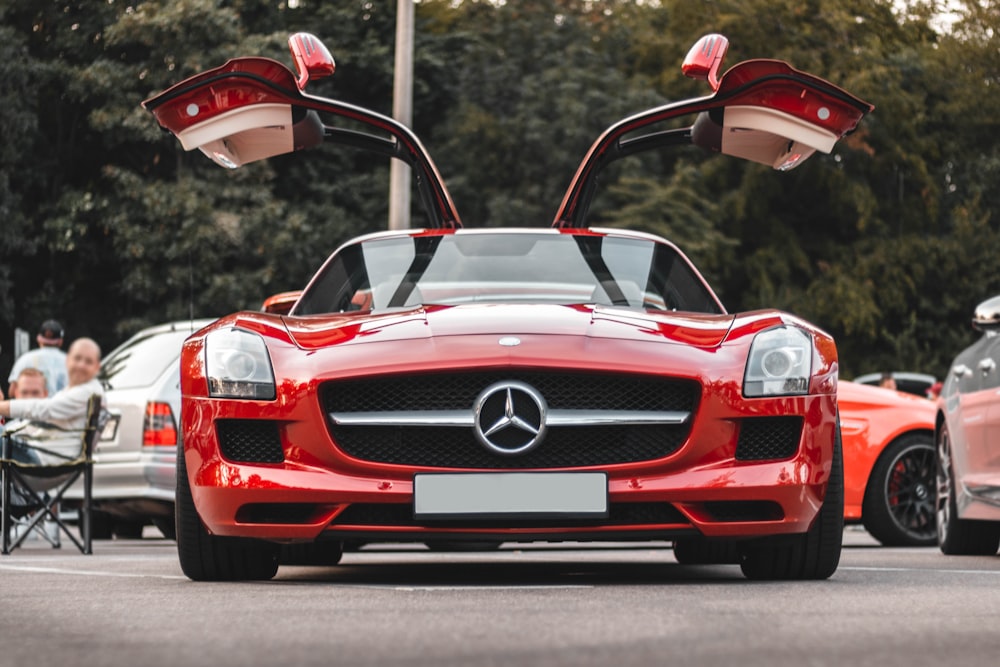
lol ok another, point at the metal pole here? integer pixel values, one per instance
(402, 110)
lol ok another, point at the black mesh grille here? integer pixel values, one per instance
(444, 447)
(455, 447)
(401, 515)
(745, 510)
(562, 391)
(768, 438)
(250, 440)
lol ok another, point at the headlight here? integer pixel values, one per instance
(780, 363)
(238, 365)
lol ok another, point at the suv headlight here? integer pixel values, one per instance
(238, 366)
(780, 363)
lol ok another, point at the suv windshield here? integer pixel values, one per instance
(506, 267)
(141, 360)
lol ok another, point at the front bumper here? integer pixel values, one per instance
(701, 489)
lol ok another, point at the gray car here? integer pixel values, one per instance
(134, 474)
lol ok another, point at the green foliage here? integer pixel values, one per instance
(108, 224)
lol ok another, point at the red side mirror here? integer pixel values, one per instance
(280, 304)
(312, 59)
(705, 58)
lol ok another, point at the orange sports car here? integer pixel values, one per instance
(888, 463)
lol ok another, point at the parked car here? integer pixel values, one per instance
(918, 384)
(135, 460)
(522, 384)
(968, 443)
(889, 463)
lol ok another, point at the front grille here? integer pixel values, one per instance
(768, 438)
(562, 390)
(457, 447)
(401, 515)
(250, 440)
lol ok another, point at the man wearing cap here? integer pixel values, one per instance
(47, 358)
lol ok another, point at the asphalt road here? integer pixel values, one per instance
(128, 605)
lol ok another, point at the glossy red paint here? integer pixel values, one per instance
(705, 58)
(281, 303)
(240, 83)
(311, 57)
(308, 351)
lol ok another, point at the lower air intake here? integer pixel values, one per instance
(250, 440)
(768, 438)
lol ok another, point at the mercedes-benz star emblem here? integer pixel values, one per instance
(510, 417)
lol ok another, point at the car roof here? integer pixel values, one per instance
(180, 325)
(546, 231)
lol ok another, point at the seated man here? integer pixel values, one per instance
(50, 430)
(31, 383)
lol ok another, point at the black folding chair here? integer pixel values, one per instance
(21, 501)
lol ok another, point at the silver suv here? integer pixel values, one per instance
(134, 474)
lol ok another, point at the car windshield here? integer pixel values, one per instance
(452, 269)
(140, 361)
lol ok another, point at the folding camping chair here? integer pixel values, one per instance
(32, 506)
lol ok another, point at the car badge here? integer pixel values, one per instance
(510, 417)
(510, 341)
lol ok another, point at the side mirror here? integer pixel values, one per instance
(705, 58)
(987, 316)
(281, 304)
(312, 59)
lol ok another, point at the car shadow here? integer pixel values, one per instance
(506, 569)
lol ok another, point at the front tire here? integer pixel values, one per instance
(206, 557)
(958, 537)
(898, 508)
(814, 554)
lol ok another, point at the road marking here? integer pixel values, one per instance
(90, 573)
(916, 569)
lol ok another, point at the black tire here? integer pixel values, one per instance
(811, 555)
(128, 530)
(705, 551)
(311, 553)
(205, 557)
(958, 537)
(101, 525)
(167, 526)
(898, 509)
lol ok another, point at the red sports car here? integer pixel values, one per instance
(562, 383)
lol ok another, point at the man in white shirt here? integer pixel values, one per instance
(55, 423)
(47, 358)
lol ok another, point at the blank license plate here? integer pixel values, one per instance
(519, 495)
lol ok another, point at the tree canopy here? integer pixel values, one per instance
(109, 226)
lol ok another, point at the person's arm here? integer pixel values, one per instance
(70, 404)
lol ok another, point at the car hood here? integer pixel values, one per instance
(853, 395)
(705, 331)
